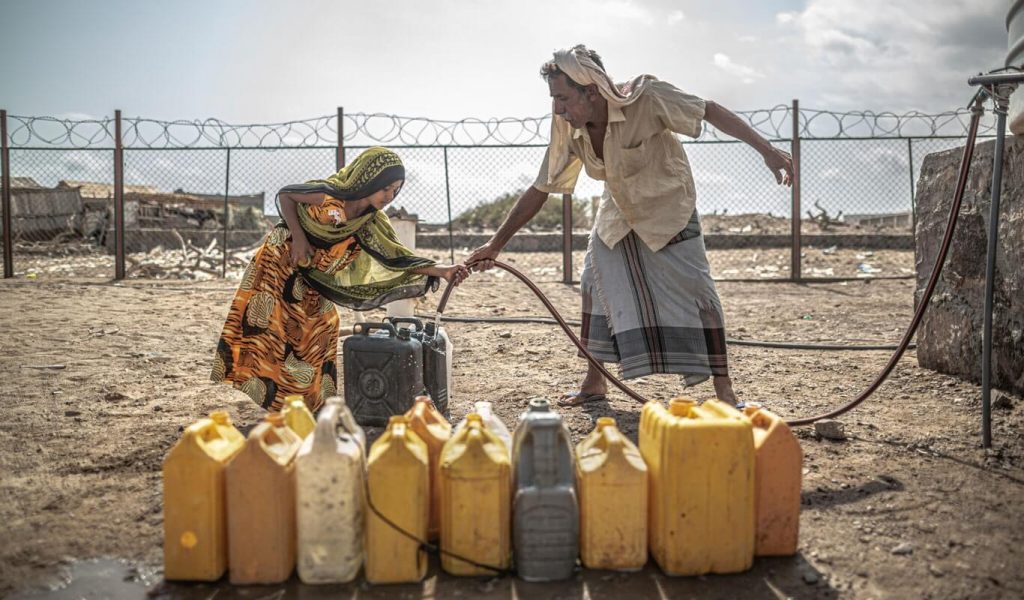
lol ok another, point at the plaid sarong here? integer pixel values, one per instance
(654, 312)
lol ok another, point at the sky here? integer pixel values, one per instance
(264, 61)
(273, 61)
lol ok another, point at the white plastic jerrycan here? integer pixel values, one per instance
(330, 507)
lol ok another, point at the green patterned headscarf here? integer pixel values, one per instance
(374, 169)
(381, 272)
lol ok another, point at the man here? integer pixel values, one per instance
(649, 302)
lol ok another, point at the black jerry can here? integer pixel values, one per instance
(383, 373)
(435, 359)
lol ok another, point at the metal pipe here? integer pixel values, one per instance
(1016, 77)
(990, 273)
(5, 157)
(119, 272)
(227, 209)
(795, 266)
(566, 238)
(448, 197)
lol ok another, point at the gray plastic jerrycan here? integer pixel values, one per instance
(545, 510)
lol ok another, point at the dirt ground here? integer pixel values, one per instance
(99, 378)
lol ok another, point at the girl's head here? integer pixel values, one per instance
(375, 176)
(382, 197)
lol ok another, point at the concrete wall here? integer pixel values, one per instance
(552, 242)
(949, 339)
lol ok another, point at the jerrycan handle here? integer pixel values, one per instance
(326, 424)
(207, 432)
(411, 320)
(615, 442)
(366, 327)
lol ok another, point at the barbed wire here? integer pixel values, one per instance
(394, 130)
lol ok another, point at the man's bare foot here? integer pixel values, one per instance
(593, 389)
(724, 391)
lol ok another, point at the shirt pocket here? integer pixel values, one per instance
(632, 160)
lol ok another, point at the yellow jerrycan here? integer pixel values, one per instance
(431, 426)
(611, 479)
(476, 488)
(297, 416)
(398, 475)
(700, 462)
(329, 501)
(261, 504)
(195, 527)
(777, 479)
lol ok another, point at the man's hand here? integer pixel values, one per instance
(781, 165)
(483, 257)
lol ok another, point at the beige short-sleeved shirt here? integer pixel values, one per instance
(648, 184)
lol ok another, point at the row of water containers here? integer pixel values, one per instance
(708, 488)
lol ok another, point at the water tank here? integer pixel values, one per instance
(1015, 57)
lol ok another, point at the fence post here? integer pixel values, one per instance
(913, 202)
(567, 238)
(339, 156)
(227, 209)
(448, 196)
(5, 157)
(118, 199)
(795, 268)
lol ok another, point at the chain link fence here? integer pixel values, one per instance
(196, 197)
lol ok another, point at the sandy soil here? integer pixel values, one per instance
(99, 378)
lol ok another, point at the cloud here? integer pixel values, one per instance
(675, 17)
(746, 74)
(626, 10)
(892, 53)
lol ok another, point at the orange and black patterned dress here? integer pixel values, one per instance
(281, 336)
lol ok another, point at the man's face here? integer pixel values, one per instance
(568, 102)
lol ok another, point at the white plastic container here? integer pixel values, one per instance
(346, 423)
(330, 508)
(491, 422)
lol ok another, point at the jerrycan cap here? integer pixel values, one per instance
(424, 399)
(682, 406)
(220, 417)
(603, 422)
(474, 418)
(275, 418)
(397, 420)
(540, 405)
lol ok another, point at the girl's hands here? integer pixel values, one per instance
(301, 250)
(454, 274)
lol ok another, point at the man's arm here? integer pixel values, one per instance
(528, 205)
(729, 123)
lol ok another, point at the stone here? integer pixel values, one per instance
(811, 578)
(1001, 400)
(830, 429)
(903, 549)
(949, 338)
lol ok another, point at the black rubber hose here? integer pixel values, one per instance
(735, 342)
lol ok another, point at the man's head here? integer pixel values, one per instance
(578, 104)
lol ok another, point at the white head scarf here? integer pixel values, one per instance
(576, 63)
